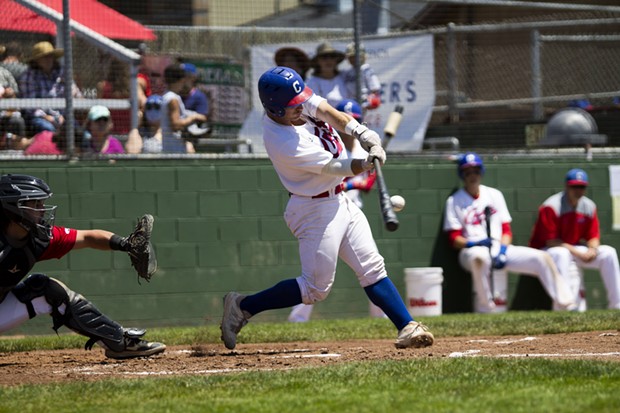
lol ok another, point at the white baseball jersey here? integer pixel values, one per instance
(466, 213)
(328, 227)
(299, 153)
(334, 89)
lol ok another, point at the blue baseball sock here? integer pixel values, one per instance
(282, 295)
(384, 295)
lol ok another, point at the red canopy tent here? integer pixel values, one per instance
(92, 14)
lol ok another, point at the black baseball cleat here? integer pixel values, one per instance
(136, 347)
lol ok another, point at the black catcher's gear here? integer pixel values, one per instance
(15, 192)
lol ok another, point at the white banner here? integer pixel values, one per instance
(406, 69)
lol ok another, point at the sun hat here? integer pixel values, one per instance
(326, 49)
(350, 51)
(97, 112)
(43, 49)
(299, 54)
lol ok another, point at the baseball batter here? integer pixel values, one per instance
(465, 223)
(568, 228)
(28, 235)
(309, 157)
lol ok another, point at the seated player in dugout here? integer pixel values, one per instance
(568, 228)
(28, 235)
(468, 212)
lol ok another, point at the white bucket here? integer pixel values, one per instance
(424, 290)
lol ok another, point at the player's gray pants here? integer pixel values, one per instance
(519, 260)
(606, 262)
(329, 228)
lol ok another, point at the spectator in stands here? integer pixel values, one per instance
(11, 121)
(371, 86)
(45, 79)
(195, 100)
(11, 58)
(147, 138)
(294, 58)
(116, 86)
(174, 117)
(326, 80)
(43, 143)
(99, 125)
(568, 228)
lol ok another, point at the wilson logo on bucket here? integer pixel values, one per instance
(421, 302)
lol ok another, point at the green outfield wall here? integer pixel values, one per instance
(219, 227)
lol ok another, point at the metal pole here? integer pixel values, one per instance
(68, 73)
(536, 76)
(452, 74)
(357, 24)
(133, 94)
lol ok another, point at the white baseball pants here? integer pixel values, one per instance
(606, 262)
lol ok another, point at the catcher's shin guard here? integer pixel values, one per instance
(80, 315)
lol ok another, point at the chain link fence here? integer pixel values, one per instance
(482, 73)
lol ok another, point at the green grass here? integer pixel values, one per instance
(435, 385)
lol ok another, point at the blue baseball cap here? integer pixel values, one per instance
(577, 177)
(189, 68)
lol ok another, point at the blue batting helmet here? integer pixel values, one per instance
(469, 160)
(280, 88)
(351, 107)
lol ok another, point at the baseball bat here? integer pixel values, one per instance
(392, 124)
(487, 216)
(389, 216)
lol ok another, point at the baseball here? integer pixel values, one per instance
(398, 202)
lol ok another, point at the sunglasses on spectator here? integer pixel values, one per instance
(329, 56)
(578, 186)
(151, 105)
(103, 119)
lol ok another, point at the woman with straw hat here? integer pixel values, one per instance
(327, 80)
(44, 79)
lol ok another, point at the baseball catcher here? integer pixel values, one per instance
(138, 246)
(28, 235)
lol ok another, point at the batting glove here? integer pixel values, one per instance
(378, 153)
(367, 137)
(487, 242)
(500, 260)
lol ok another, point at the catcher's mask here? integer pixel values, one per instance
(22, 198)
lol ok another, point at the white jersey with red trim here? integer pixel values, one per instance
(299, 153)
(466, 213)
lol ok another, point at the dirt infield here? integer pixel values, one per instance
(36, 367)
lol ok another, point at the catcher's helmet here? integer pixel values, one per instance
(15, 190)
(351, 107)
(280, 88)
(468, 160)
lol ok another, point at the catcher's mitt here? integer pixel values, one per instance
(140, 250)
